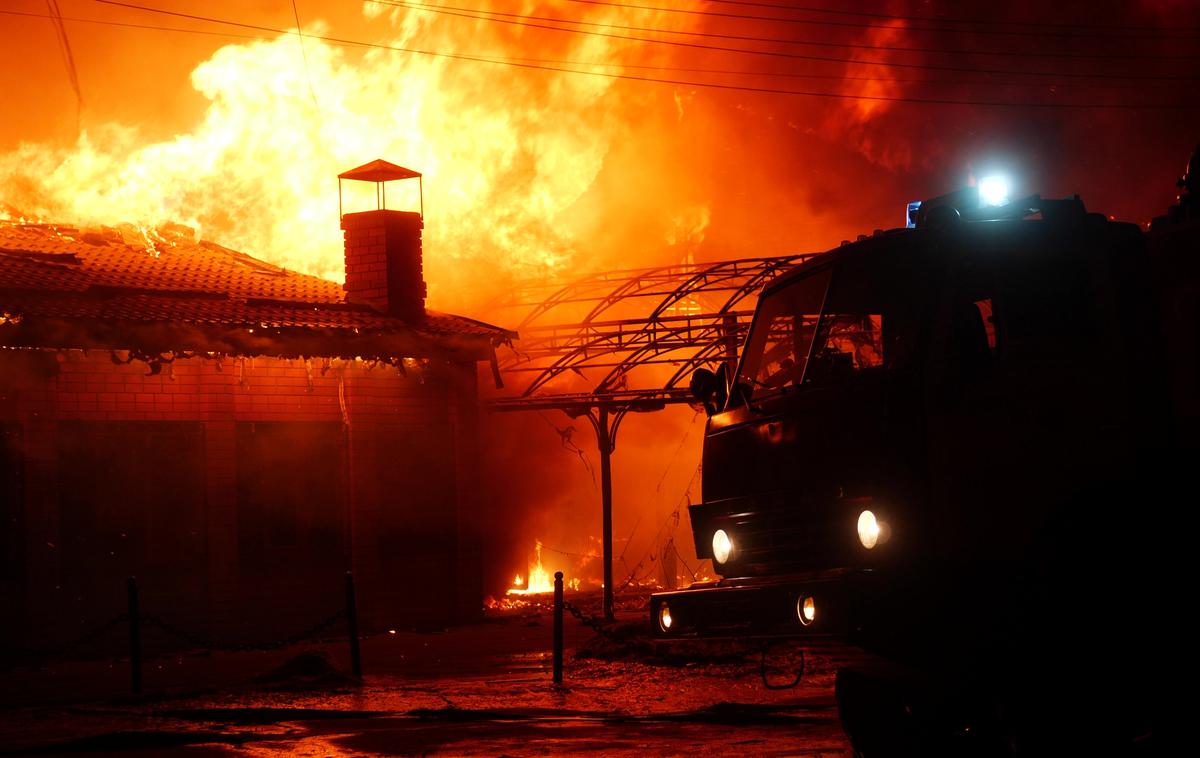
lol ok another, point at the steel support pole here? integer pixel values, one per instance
(606, 499)
(135, 636)
(558, 627)
(352, 626)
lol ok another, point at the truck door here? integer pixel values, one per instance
(1024, 404)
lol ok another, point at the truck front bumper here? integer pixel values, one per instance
(777, 607)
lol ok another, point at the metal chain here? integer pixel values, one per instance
(762, 669)
(209, 644)
(596, 624)
(78, 642)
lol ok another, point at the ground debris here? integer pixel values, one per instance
(632, 641)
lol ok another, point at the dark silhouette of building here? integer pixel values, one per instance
(234, 434)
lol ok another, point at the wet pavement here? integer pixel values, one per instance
(483, 689)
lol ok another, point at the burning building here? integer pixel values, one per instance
(235, 434)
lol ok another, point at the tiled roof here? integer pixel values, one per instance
(165, 276)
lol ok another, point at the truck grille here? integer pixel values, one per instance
(772, 536)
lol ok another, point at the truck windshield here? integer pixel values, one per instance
(855, 325)
(782, 336)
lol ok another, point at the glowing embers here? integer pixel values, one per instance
(806, 609)
(872, 531)
(664, 617)
(722, 546)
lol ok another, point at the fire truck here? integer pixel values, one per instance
(963, 448)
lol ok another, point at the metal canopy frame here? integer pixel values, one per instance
(718, 290)
(719, 297)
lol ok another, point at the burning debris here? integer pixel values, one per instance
(540, 580)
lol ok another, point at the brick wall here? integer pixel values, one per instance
(383, 417)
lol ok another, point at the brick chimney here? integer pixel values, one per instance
(383, 262)
(383, 248)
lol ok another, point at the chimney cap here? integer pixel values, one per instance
(379, 170)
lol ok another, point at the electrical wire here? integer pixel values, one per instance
(787, 41)
(642, 67)
(147, 27)
(444, 10)
(304, 56)
(979, 21)
(60, 30)
(781, 20)
(682, 83)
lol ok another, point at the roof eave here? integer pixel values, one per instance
(156, 337)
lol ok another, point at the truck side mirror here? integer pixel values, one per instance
(710, 389)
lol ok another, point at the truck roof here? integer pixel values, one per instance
(905, 238)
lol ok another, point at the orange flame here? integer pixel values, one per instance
(540, 580)
(508, 153)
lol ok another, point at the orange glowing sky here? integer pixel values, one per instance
(540, 173)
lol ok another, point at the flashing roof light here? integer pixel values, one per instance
(993, 190)
(910, 214)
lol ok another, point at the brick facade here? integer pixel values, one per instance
(398, 471)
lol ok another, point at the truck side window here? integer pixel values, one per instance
(974, 330)
(989, 321)
(972, 338)
(864, 326)
(840, 320)
(850, 342)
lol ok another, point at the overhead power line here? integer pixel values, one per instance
(682, 83)
(784, 40)
(854, 25)
(304, 56)
(950, 20)
(637, 66)
(147, 27)
(446, 11)
(56, 18)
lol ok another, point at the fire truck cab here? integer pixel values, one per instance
(957, 447)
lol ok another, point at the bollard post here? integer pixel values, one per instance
(558, 627)
(352, 626)
(135, 636)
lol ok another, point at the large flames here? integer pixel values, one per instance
(509, 154)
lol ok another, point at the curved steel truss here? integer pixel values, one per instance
(606, 326)
(681, 316)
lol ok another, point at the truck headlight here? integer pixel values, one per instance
(664, 617)
(806, 609)
(722, 546)
(868, 529)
